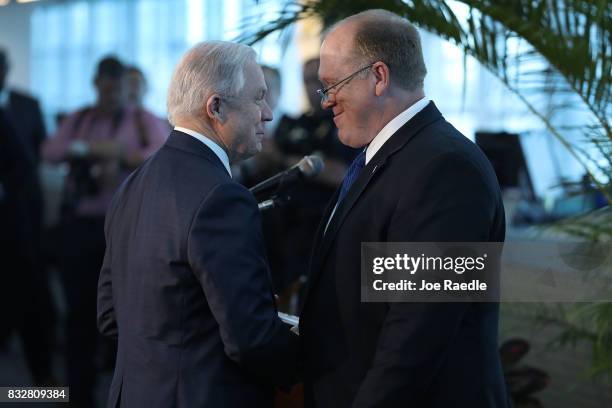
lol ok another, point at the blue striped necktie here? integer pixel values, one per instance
(351, 175)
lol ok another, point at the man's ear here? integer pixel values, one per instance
(214, 110)
(381, 75)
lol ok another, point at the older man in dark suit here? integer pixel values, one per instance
(417, 179)
(185, 285)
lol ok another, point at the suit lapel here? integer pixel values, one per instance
(323, 242)
(326, 214)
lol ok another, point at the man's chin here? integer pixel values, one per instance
(346, 140)
(248, 154)
(256, 149)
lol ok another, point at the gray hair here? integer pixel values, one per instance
(381, 35)
(208, 67)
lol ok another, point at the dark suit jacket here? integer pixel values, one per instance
(21, 123)
(26, 117)
(427, 183)
(24, 120)
(186, 289)
(17, 173)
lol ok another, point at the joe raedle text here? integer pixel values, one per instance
(425, 286)
(414, 272)
(421, 265)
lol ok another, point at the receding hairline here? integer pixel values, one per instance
(380, 35)
(346, 53)
(373, 15)
(354, 22)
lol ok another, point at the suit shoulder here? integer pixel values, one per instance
(192, 164)
(188, 176)
(440, 140)
(23, 98)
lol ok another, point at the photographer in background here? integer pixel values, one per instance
(102, 144)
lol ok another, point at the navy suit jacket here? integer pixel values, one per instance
(25, 115)
(186, 289)
(17, 173)
(427, 183)
(23, 119)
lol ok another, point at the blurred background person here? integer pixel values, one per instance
(313, 132)
(136, 85)
(23, 109)
(136, 89)
(268, 162)
(25, 301)
(102, 144)
(272, 77)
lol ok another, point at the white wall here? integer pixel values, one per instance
(15, 39)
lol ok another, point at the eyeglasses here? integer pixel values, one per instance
(324, 93)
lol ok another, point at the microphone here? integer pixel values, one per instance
(308, 167)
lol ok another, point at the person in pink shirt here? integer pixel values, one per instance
(102, 144)
(111, 137)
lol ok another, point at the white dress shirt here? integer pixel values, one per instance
(385, 133)
(221, 154)
(392, 127)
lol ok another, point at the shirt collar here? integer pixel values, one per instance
(392, 127)
(221, 154)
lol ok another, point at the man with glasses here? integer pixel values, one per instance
(416, 179)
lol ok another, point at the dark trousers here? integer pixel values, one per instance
(79, 253)
(26, 308)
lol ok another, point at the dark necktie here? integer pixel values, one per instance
(351, 175)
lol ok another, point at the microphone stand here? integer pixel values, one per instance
(280, 196)
(274, 202)
(281, 184)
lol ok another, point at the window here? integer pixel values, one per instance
(69, 38)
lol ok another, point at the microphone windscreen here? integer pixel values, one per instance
(311, 166)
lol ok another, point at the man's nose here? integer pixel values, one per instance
(328, 102)
(266, 112)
